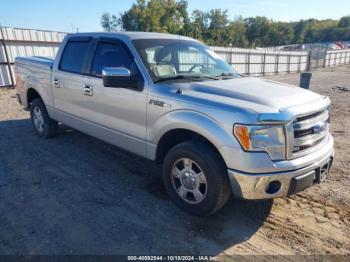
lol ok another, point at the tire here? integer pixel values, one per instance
(214, 187)
(43, 125)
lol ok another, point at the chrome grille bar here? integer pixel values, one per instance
(309, 139)
(309, 130)
(311, 122)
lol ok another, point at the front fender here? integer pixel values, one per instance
(194, 121)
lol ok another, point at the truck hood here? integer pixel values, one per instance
(255, 94)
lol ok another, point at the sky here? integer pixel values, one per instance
(68, 15)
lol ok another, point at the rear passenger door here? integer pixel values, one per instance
(117, 114)
(69, 79)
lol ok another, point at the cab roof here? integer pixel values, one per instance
(134, 35)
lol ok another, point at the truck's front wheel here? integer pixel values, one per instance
(43, 125)
(195, 178)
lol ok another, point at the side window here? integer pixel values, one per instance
(73, 56)
(110, 55)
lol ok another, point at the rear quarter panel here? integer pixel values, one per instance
(29, 75)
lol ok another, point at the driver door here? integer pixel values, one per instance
(117, 115)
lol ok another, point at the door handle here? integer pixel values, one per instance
(88, 90)
(56, 83)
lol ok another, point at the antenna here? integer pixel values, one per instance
(74, 29)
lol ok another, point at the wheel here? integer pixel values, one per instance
(195, 177)
(44, 126)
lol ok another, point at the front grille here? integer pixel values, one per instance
(309, 130)
(306, 117)
(304, 147)
(301, 133)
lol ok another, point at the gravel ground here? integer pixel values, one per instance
(77, 195)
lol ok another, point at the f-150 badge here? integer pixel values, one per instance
(158, 103)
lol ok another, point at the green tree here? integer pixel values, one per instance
(344, 22)
(110, 22)
(258, 31)
(215, 28)
(280, 34)
(156, 15)
(217, 31)
(238, 33)
(198, 24)
(300, 29)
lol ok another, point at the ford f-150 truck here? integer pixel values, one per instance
(173, 100)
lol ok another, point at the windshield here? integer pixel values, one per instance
(171, 59)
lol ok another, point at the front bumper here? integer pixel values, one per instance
(279, 184)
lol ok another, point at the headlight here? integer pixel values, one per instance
(270, 139)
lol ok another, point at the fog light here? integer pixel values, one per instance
(273, 187)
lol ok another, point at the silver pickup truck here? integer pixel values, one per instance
(173, 100)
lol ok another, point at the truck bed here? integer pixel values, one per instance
(39, 61)
(34, 72)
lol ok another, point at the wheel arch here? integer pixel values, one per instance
(32, 94)
(184, 126)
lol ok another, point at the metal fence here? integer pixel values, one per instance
(317, 54)
(263, 62)
(24, 42)
(27, 42)
(337, 57)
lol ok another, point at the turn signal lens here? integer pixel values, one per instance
(242, 134)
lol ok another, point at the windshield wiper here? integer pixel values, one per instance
(224, 76)
(178, 77)
(190, 77)
(211, 77)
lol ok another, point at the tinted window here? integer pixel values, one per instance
(73, 56)
(110, 55)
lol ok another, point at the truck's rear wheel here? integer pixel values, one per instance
(43, 125)
(195, 178)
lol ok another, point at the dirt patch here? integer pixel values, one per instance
(77, 195)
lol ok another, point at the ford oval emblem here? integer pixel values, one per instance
(319, 128)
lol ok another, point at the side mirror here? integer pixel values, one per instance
(120, 77)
